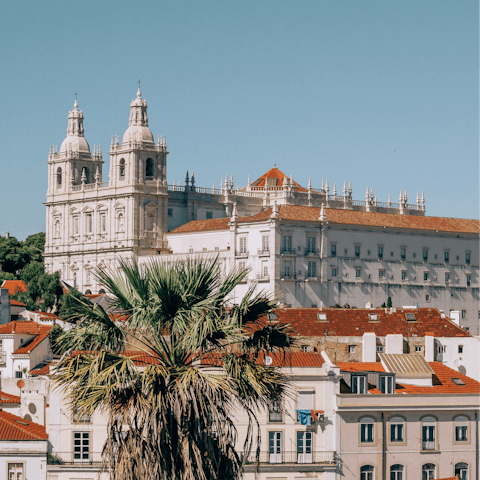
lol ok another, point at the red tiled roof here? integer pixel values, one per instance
(34, 342)
(7, 398)
(140, 359)
(354, 322)
(15, 303)
(442, 381)
(41, 369)
(279, 359)
(19, 326)
(272, 173)
(92, 296)
(344, 217)
(14, 286)
(16, 428)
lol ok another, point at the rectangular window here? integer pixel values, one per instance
(428, 437)
(464, 314)
(18, 374)
(447, 277)
(209, 215)
(241, 265)
(441, 349)
(352, 348)
(357, 251)
(15, 471)
(380, 252)
(467, 258)
(312, 269)
(386, 384)
(81, 446)
(275, 411)
(403, 253)
(359, 383)
(170, 212)
(425, 255)
(287, 271)
(304, 402)
(461, 433)
(358, 273)
(460, 349)
(311, 244)
(103, 223)
(469, 280)
(275, 447)
(75, 225)
(334, 272)
(333, 250)
(287, 244)
(425, 276)
(345, 252)
(396, 432)
(381, 274)
(89, 222)
(418, 349)
(366, 432)
(265, 269)
(243, 245)
(304, 447)
(379, 348)
(265, 243)
(404, 275)
(80, 418)
(447, 256)
(304, 348)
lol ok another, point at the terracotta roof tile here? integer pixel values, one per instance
(287, 360)
(20, 326)
(34, 342)
(273, 173)
(354, 322)
(41, 369)
(7, 398)
(443, 383)
(14, 286)
(17, 428)
(344, 217)
(15, 303)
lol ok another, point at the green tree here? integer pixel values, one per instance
(173, 419)
(6, 276)
(13, 256)
(68, 305)
(54, 334)
(389, 302)
(43, 290)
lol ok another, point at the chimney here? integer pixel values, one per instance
(394, 343)
(369, 347)
(429, 347)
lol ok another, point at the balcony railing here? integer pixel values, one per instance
(428, 445)
(275, 416)
(74, 458)
(263, 251)
(294, 458)
(241, 253)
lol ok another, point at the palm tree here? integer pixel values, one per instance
(173, 370)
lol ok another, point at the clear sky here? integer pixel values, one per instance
(384, 94)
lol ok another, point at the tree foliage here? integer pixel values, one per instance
(174, 418)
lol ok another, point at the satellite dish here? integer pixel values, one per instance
(268, 361)
(32, 409)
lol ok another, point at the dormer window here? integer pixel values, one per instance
(359, 384)
(387, 384)
(373, 317)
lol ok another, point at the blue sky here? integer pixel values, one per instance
(382, 94)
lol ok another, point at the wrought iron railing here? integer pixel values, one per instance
(294, 458)
(74, 458)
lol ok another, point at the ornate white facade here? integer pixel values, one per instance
(314, 247)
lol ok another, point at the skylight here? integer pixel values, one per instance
(410, 317)
(322, 317)
(458, 381)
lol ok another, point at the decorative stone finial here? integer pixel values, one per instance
(345, 189)
(323, 216)
(275, 213)
(334, 189)
(139, 93)
(350, 189)
(309, 183)
(234, 216)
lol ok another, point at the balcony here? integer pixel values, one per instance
(241, 253)
(291, 276)
(428, 445)
(72, 458)
(288, 251)
(263, 251)
(262, 278)
(312, 252)
(294, 458)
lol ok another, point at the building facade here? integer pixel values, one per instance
(312, 247)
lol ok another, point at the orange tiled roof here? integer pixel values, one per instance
(442, 381)
(289, 359)
(41, 369)
(14, 286)
(7, 398)
(34, 342)
(16, 428)
(354, 322)
(272, 173)
(92, 296)
(20, 326)
(15, 303)
(343, 217)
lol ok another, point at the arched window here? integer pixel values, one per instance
(149, 168)
(397, 429)
(461, 428)
(88, 292)
(396, 472)
(428, 471)
(367, 430)
(59, 176)
(101, 291)
(461, 471)
(428, 433)
(366, 472)
(122, 168)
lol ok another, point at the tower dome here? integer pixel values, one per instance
(75, 141)
(138, 123)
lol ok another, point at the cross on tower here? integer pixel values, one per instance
(139, 83)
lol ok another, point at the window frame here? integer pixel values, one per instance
(12, 467)
(333, 250)
(428, 466)
(275, 407)
(397, 435)
(426, 439)
(367, 474)
(83, 435)
(461, 422)
(312, 269)
(398, 473)
(367, 435)
(380, 251)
